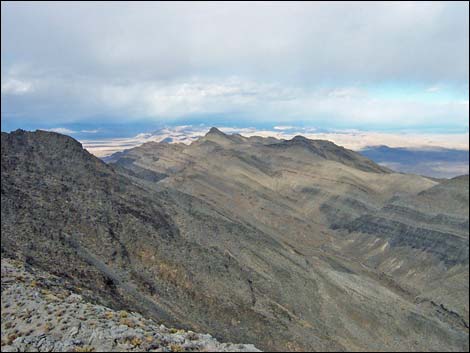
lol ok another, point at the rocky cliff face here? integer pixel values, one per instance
(249, 239)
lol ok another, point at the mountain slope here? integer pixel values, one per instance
(54, 319)
(230, 236)
(421, 240)
(305, 192)
(330, 151)
(75, 217)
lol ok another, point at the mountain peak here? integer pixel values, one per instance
(299, 138)
(215, 131)
(58, 151)
(329, 150)
(42, 138)
(216, 136)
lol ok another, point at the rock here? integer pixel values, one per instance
(74, 298)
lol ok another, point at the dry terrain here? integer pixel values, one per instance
(285, 244)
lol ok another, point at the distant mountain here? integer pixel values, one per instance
(433, 162)
(330, 151)
(285, 244)
(426, 160)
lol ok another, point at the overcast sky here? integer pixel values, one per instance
(376, 66)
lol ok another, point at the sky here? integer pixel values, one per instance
(119, 69)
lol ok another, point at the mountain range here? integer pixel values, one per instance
(285, 244)
(438, 156)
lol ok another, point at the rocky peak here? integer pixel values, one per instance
(51, 141)
(300, 138)
(215, 131)
(48, 152)
(216, 136)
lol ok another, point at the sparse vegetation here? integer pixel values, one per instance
(176, 348)
(136, 341)
(11, 338)
(128, 322)
(109, 315)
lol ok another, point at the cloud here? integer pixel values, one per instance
(433, 89)
(283, 127)
(61, 130)
(288, 62)
(347, 93)
(243, 99)
(16, 87)
(161, 40)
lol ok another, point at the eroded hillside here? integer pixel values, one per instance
(253, 240)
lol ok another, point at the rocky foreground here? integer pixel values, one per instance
(40, 315)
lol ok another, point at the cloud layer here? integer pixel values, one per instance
(323, 63)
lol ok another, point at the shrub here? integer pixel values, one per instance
(176, 348)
